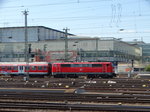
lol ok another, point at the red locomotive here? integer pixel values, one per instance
(65, 69)
(89, 69)
(22, 68)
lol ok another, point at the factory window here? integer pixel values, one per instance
(89, 54)
(7, 56)
(15, 55)
(21, 55)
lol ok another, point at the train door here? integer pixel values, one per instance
(58, 71)
(21, 70)
(104, 68)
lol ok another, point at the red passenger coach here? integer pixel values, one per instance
(89, 69)
(22, 68)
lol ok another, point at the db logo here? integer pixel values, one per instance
(80, 69)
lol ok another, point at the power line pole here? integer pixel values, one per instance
(97, 49)
(66, 43)
(26, 36)
(26, 45)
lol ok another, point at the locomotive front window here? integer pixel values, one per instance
(107, 64)
(96, 65)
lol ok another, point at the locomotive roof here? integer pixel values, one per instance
(83, 63)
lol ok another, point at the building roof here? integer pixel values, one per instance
(35, 27)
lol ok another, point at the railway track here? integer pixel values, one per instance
(78, 94)
(60, 83)
(71, 97)
(73, 106)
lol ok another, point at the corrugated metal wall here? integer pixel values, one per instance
(39, 33)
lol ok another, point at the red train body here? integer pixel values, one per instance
(65, 69)
(90, 69)
(22, 68)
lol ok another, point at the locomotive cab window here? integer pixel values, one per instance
(55, 65)
(107, 64)
(96, 65)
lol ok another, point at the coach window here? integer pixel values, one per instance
(96, 65)
(33, 67)
(9, 67)
(15, 68)
(3, 67)
(39, 67)
(27, 68)
(45, 68)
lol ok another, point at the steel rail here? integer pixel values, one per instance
(66, 106)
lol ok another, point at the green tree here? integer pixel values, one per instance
(147, 68)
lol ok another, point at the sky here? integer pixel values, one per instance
(125, 19)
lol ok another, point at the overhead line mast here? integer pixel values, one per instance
(26, 45)
(66, 43)
(26, 36)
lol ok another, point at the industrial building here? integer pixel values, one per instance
(145, 48)
(35, 33)
(79, 49)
